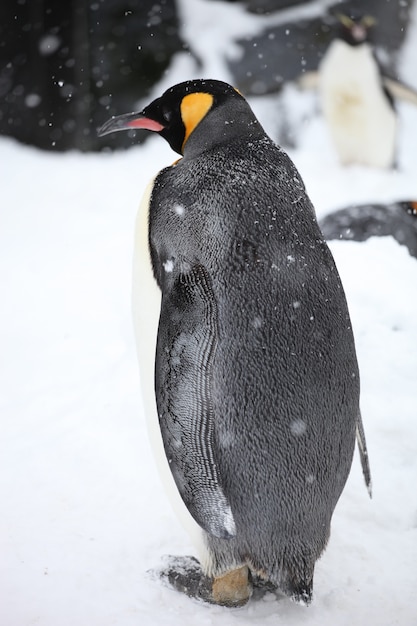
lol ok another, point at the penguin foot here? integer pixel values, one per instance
(184, 574)
(233, 588)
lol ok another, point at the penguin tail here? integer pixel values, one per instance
(363, 454)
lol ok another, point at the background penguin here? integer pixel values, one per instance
(356, 106)
(357, 99)
(359, 223)
(256, 378)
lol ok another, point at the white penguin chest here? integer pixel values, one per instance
(360, 119)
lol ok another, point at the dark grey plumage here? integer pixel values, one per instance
(359, 223)
(282, 387)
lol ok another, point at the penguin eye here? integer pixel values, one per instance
(167, 115)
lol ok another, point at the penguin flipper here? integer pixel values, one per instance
(186, 345)
(400, 91)
(363, 454)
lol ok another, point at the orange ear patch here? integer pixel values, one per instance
(193, 108)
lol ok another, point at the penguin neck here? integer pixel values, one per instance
(347, 61)
(358, 49)
(218, 129)
(352, 42)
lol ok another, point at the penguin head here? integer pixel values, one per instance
(192, 116)
(354, 28)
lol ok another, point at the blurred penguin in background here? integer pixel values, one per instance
(360, 222)
(357, 107)
(357, 100)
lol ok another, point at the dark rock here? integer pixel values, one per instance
(66, 67)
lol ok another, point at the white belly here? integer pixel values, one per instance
(360, 119)
(146, 309)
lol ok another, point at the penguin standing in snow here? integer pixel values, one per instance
(356, 104)
(256, 377)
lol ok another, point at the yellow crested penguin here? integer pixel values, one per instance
(356, 104)
(256, 379)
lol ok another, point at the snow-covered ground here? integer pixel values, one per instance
(83, 514)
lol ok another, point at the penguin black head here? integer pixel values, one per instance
(181, 110)
(354, 28)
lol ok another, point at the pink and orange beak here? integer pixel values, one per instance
(129, 121)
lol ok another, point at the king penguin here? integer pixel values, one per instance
(356, 104)
(254, 391)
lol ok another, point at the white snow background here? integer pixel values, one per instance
(83, 513)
